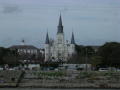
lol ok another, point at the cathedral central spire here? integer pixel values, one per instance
(60, 26)
(60, 21)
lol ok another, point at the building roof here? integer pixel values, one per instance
(23, 47)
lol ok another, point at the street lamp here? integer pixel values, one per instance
(86, 59)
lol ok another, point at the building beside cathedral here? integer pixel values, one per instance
(59, 49)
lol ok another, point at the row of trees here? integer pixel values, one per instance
(13, 58)
(82, 54)
(107, 55)
(8, 56)
(110, 54)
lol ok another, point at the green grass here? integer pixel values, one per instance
(50, 74)
(94, 74)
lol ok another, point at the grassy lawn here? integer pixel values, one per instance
(95, 75)
(50, 74)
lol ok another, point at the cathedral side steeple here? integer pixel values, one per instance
(47, 39)
(72, 39)
(60, 26)
(47, 48)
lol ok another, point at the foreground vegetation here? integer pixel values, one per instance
(94, 74)
(62, 79)
(49, 74)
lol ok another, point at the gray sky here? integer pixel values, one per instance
(94, 22)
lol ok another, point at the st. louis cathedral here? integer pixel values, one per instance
(59, 49)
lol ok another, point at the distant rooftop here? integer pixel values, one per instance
(23, 47)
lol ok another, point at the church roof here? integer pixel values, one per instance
(72, 39)
(47, 39)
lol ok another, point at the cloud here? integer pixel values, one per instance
(94, 21)
(11, 9)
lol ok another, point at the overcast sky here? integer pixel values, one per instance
(94, 22)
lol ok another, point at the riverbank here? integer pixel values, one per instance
(60, 79)
(70, 86)
(53, 89)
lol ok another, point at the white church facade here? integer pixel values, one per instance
(59, 49)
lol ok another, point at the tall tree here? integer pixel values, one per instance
(110, 52)
(81, 53)
(8, 56)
